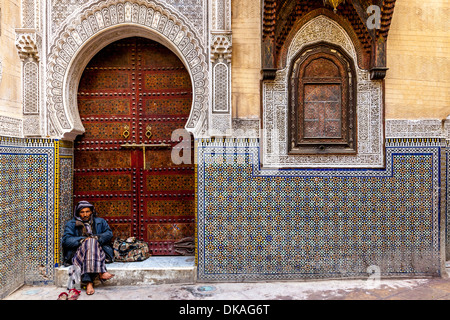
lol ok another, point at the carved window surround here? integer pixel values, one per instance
(288, 28)
(368, 106)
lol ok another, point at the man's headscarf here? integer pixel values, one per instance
(87, 225)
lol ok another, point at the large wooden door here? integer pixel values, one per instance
(136, 91)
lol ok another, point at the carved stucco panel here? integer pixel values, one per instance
(11, 127)
(423, 128)
(64, 10)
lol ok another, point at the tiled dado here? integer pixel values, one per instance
(447, 198)
(252, 223)
(257, 224)
(34, 177)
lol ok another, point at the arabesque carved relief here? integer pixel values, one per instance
(81, 35)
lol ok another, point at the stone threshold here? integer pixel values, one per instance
(154, 270)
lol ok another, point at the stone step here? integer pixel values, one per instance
(154, 270)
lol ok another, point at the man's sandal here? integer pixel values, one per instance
(62, 296)
(73, 294)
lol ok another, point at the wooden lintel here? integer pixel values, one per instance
(268, 53)
(378, 59)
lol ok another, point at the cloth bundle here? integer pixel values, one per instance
(131, 249)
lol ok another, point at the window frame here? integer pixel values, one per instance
(347, 143)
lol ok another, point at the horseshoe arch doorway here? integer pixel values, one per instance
(132, 95)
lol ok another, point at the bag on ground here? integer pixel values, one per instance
(130, 249)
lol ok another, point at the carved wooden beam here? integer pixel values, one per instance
(361, 8)
(378, 59)
(268, 43)
(378, 52)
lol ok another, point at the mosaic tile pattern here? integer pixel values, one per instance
(27, 202)
(447, 206)
(252, 223)
(256, 224)
(65, 193)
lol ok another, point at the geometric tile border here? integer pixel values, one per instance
(447, 198)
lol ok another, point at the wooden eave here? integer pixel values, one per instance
(281, 16)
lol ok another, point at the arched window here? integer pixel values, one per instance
(322, 102)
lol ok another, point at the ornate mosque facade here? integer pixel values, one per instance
(281, 140)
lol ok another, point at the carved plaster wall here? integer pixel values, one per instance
(370, 122)
(57, 38)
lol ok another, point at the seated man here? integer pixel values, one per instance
(86, 244)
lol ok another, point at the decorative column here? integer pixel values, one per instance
(28, 43)
(220, 66)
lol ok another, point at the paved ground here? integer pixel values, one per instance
(408, 289)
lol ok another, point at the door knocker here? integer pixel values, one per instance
(148, 133)
(126, 131)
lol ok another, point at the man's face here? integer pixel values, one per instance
(85, 214)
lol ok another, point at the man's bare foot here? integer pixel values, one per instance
(90, 289)
(106, 275)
